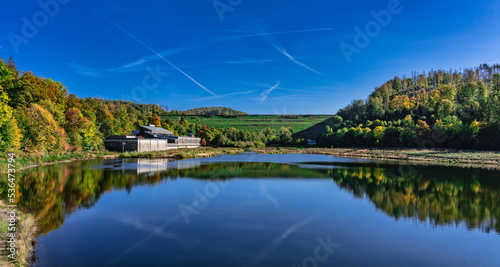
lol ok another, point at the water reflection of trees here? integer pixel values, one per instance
(51, 192)
(443, 196)
(436, 194)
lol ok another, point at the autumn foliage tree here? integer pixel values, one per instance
(81, 131)
(154, 120)
(44, 134)
(37, 115)
(10, 135)
(449, 108)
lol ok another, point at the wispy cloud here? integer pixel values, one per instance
(222, 96)
(87, 71)
(271, 33)
(253, 84)
(222, 30)
(287, 96)
(133, 66)
(147, 59)
(266, 93)
(266, 85)
(250, 61)
(152, 50)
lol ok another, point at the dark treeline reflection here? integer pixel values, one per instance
(441, 195)
(51, 192)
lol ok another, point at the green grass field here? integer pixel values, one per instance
(303, 126)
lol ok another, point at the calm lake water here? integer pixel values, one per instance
(263, 210)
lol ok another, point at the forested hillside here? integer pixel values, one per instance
(38, 116)
(452, 109)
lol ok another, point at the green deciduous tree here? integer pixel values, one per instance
(448, 92)
(446, 108)
(81, 132)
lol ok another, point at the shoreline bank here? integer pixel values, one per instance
(442, 157)
(25, 234)
(438, 157)
(27, 162)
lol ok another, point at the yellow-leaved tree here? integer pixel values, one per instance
(44, 134)
(10, 135)
(5, 109)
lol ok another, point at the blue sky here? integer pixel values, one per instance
(261, 57)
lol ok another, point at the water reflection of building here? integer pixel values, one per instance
(152, 166)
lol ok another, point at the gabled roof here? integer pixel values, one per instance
(157, 129)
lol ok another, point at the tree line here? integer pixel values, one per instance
(38, 116)
(232, 137)
(455, 109)
(208, 112)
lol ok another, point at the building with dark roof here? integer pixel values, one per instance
(150, 138)
(152, 130)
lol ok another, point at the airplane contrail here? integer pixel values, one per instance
(152, 50)
(272, 33)
(294, 60)
(274, 43)
(268, 36)
(264, 94)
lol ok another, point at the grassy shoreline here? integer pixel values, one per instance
(442, 157)
(24, 235)
(24, 161)
(445, 157)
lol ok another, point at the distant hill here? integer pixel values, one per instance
(209, 111)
